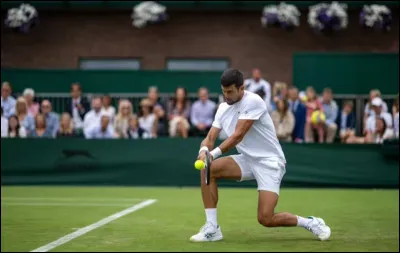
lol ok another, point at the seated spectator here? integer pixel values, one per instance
(136, 132)
(121, 123)
(24, 118)
(382, 133)
(33, 107)
(377, 106)
(368, 111)
(158, 108)
(179, 113)
(92, 118)
(15, 130)
(4, 125)
(41, 130)
(147, 119)
(202, 113)
(331, 112)
(347, 121)
(103, 131)
(66, 127)
(395, 113)
(283, 121)
(312, 105)
(280, 91)
(107, 107)
(77, 106)
(7, 101)
(299, 111)
(52, 118)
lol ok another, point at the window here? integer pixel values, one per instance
(110, 64)
(198, 64)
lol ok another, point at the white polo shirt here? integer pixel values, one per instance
(260, 141)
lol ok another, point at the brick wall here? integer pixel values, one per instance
(63, 37)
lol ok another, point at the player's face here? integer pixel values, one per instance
(232, 94)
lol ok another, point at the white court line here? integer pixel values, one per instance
(60, 204)
(93, 226)
(70, 199)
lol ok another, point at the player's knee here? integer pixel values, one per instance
(265, 219)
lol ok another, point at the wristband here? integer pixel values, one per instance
(204, 148)
(216, 152)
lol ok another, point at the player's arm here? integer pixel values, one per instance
(208, 142)
(242, 127)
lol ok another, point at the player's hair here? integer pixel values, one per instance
(232, 76)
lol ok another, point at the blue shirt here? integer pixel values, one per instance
(8, 106)
(46, 134)
(331, 112)
(343, 122)
(53, 123)
(97, 133)
(203, 112)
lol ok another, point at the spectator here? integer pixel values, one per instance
(41, 130)
(280, 91)
(7, 101)
(395, 112)
(179, 113)
(33, 107)
(158, 109)
(283, 121)
(107, 107)
(147, 119)
(378, 106)
(4, 125)
(347, 121)
(134, 131)
(313, 104)
(331, 113)
(24, 118)
(260, 86)
(66, 127)
(52, 118)
(202, 113)
(92, 118)
(77, 106)
(104, 130)
(382, 133)
(368, 111)
(121, 123)
(299, 111)
(15, 130)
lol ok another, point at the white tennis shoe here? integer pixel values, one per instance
(208, 233)
(318, 227)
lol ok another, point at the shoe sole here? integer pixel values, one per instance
(219, 238)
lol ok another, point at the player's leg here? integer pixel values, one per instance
(225, 167)
(269, 174)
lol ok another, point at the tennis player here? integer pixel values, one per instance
(245, 119)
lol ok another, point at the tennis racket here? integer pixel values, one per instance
(207, 167)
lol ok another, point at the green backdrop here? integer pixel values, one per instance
(347, 73)
(169, 162)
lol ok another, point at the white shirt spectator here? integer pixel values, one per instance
(371, 121)
(92, 120)
(4, 127)
(147, 124)
(21, 133)
(370, 112)
(396, 125)
(262, 86)
(109, 111)
(203, 112)
(76, 119)
(387, 135)
(97, 133)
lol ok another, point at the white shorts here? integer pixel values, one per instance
(268, 172)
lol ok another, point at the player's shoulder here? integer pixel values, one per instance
(250, 97)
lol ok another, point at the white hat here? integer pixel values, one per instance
(377, 101)
(29, 91)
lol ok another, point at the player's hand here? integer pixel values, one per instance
(202, 156)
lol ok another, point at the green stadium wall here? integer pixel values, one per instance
(347, 73)
(170, 162)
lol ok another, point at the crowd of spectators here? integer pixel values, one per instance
(298, 116)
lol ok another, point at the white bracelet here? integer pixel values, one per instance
(216, 152)
(204, 148)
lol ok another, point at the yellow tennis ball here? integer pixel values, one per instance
(199, 164)
(317, 117)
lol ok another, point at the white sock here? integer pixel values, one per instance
(211, 215)
(302, 222)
